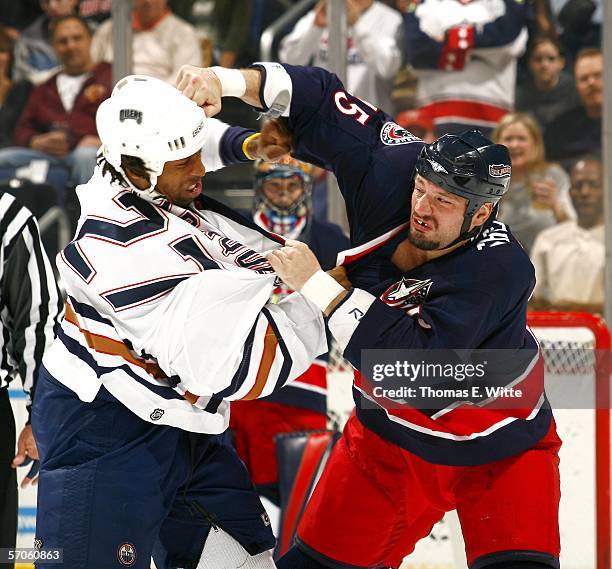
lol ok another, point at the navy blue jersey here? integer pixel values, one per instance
(473, 298)
(326, 240)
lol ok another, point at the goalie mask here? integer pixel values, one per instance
(282, 197)
(467, 165)
(149, 119)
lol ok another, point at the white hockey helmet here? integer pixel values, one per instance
(151, 120)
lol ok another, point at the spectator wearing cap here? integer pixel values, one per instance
(35, 58)
(465, 57)
(162, 42)
(58, 124)
(418, 123)
(578, 131)
(548, 91)
(373, 54)
(569, 258)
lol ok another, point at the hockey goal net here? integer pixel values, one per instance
(576, 350)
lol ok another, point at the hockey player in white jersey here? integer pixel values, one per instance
(167, 320)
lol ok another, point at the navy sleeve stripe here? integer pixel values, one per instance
(78, 350)
(141, 293)
(283, 376)
(87, 311)
(243, 369)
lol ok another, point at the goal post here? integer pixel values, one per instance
(567, 348)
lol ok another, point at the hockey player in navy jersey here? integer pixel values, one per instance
(283, 205)
(168, 319)
(431, 269)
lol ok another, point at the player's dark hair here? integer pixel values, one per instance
(134, 164)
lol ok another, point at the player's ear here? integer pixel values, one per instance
(483, 213)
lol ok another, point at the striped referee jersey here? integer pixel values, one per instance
(30, 301)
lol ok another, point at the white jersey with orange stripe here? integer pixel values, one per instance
(168, 309)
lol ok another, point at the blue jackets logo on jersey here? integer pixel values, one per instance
(392, 133)
(407, 293)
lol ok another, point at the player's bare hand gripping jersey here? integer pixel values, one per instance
(168, 308)
(472, 298)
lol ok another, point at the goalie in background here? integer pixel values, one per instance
(282, 205)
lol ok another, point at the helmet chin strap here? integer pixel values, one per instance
(462, 237)
(466, 232)
(150, 191)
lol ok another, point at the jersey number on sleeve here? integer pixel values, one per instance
(344, 105)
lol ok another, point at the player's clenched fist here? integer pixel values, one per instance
(294, 263)
(275, 142)
(202, 86)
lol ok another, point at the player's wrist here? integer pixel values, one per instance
(233, 83)
(250, 146)
(322, 290)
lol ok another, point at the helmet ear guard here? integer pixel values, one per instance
(149, 119)
(468, 165)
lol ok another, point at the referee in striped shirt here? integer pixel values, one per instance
(30, 305)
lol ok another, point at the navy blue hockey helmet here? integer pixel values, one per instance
(469, 165)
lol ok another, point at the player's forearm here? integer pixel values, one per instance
(243, 83)
(252, 78)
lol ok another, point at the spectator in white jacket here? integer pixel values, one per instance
(373, 50)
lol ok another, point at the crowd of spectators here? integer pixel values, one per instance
(57, 124)
(529, 73)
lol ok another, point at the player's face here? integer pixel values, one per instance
(520, 144)
(437, 216)
(283, 192)
(181, 180)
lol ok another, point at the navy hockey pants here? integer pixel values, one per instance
(115, 490)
